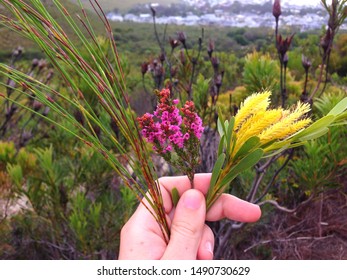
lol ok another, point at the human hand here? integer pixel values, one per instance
(191, 238)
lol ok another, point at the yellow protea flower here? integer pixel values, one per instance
(256, 119)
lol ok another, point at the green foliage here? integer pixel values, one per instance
(201, 95)
(315, 167)
(327, 102)
(10, 39)
(7, 152)
(260, 73)
(73, 207)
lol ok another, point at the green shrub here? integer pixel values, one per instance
(260, 73)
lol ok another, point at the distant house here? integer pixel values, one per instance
(178, 20)
(114, 17)
(145, 18)
(191, 20)
(213, 12)
(130, 17)
(209, 19)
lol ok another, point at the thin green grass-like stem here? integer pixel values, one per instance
(104, 79)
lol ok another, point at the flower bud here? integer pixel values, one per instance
(181, 36)
(34, 63)
(162, 57)
(173, 42)
(326, 40)
(36, 105)
(215, 63)
(210, 48)
(144, 68)
(306, 63)
(42, 64)
(79, 117)
(18, 51)
(154, 12)
(276, 9)
(283, 45)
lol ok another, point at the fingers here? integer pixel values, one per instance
(227, 206)
(187, 227)
(182, 183)
(233, 208)
(205, 251)
(138, 236)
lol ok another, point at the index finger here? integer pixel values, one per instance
(182, 183)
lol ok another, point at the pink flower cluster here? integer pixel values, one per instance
(166, 128)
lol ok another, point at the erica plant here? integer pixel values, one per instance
(175, 133)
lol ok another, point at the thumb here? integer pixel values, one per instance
(187, 226)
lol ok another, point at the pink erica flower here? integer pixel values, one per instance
(170, 130)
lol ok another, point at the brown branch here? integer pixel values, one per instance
(288, 240)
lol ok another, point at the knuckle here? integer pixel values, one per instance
(185, 229)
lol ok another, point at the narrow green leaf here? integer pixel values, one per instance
(249, 145)
(339, 108)
(339, 123)
(315, 134)
(220, 123)
(175, 196)
(245, 163)
(226, 125)
(221, 145)
(317, 125)
(217, 169)
(275, 151)
(229, 134)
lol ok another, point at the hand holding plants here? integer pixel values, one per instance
(190, 238)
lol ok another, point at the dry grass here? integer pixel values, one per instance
(316, 231)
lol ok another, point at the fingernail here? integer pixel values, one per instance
(192, 200)
(209, 247)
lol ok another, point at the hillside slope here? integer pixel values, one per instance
(10, 39)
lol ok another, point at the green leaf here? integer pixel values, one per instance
(245, 163)
(175, 196)
(315, 134)
(16, 174)
(229, 134)
(216, 170)
(339, 108)
(275, 151)
(221, 145)
(317, 125)
(250, 144)
(220, 123)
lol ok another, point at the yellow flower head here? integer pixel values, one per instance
(253, 104)
(255, 119)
